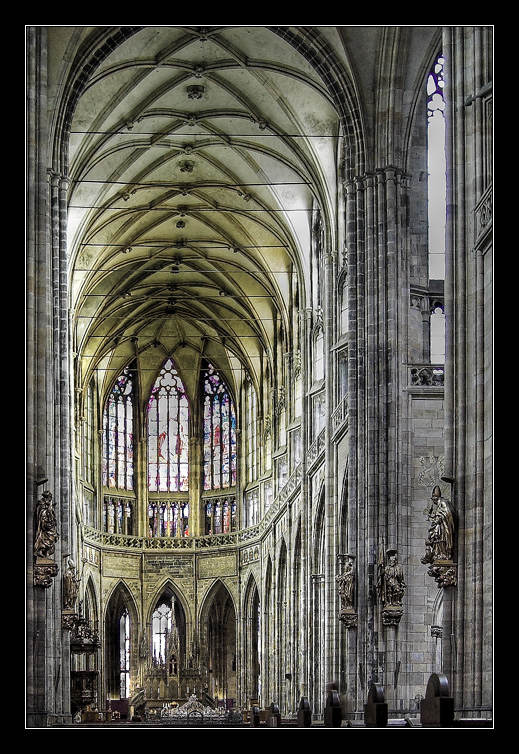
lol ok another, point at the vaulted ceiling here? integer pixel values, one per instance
(196, 158)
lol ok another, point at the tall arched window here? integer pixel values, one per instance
(124, 651)
(437, 201)
(161, 629)
(436, 168)
(343, 320)
(251, 428)
(168, 635)
(88, 436)
(219, 431)
(318, 355)
(168, 433)
(118, 434)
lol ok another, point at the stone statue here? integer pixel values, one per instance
(346, 585)
(70, 586)
(439, 544)
(143, 647)
(393, 581)
(46, 527)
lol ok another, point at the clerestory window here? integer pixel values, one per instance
(219, 431)
(118, 435)
(168, 433)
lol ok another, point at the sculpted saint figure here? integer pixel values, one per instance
(70, 586)
(346, 582)
(46, 527)
(394, 584)
(440, 541)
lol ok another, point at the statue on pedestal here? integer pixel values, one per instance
(391, 587)
(346, 588)
(71, 583)
(439, 545)
(46, 534)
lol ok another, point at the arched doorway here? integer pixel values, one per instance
(252, 643)
(121, 631)
(165, 658)
(218, 626)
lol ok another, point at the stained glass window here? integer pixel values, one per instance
(118, 435)
(88, 437)
(167, 518)
(220, 515)
(251, 419)
(168, 433)
(118, 515)
(219, 431)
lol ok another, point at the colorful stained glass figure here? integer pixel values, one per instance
(168, 433)
(219, 431)
(118, 434)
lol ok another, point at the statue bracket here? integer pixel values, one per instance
(391, 615)
(349, 617)
(45, 569)
(444, 572)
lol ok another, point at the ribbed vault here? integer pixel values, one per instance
(196, 159)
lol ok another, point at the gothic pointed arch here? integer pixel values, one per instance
(118, 433)
(218, 634)
(319, 603)
(90, 603)
(219, 429)
(121, 632)
(166, 634)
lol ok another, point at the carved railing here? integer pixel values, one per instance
(233, 539)
(167, 543)
(426, 375)
(316, 448)
(340, 414)
(216, 540)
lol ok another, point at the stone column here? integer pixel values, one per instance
(467, 656)
(331, 523)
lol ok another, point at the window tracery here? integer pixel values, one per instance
(219, 431)
(168, 428)
(124, 652)
(220, 515)
(251, 420)
(168, 518)
(118, 434)
(436, 169)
